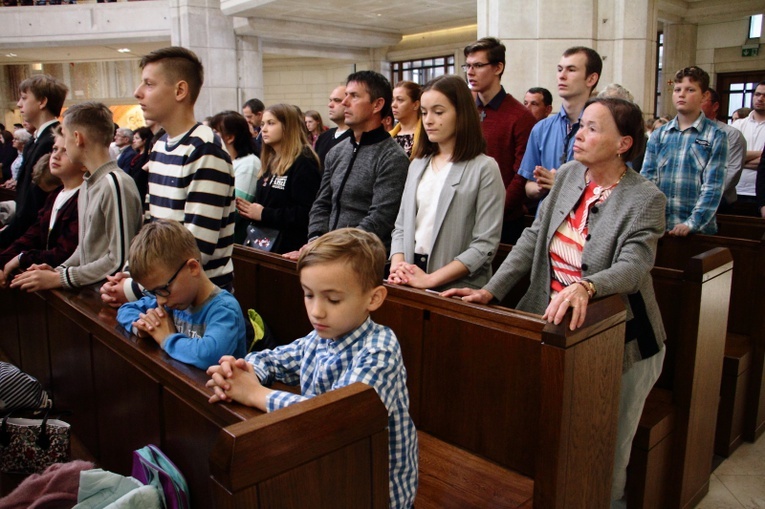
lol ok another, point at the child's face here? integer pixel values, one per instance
(271, 130)
(70, 143)
(155, 94)
(334, 299)
(687, 96)
(60, 164)
(177, 281)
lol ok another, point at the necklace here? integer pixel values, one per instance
(588, 180)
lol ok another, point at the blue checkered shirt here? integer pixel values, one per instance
(689, 168)
(371, 355)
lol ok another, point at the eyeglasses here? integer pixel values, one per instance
(164, 291)
(477, 66)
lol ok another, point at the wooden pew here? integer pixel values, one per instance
(740, 227)
(511, 411)
(742, 405)
(672, 451)
(125, 393)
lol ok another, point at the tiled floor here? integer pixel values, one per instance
(739, 481)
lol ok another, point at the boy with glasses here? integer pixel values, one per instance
(506, 125)
(189, 317)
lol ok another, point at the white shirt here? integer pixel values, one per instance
(61, 200)
(754, 134)
(428, 191)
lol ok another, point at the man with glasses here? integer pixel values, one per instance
(506, 125)
(552, 140)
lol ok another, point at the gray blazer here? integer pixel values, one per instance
(468, 218)
(617, 257)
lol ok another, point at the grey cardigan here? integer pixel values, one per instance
(617, 257)
(468, 221)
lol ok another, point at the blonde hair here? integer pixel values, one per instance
(362, 251)
(161, 243)
(294, 142)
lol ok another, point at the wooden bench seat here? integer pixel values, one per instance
(495, 393)
(451, 478)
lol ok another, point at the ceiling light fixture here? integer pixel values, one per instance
(124, 50)
(11, 55)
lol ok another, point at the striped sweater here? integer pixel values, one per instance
(192, 182)
(109, 215)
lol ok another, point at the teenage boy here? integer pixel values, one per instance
(340, 275)
(506, 125)
(54, 236)
(686, 158)
(188, 316)
(191, 179)
(40, 102)
(109, 206)
(552, 140)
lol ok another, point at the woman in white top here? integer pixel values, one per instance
(235, 133)
(448, 227)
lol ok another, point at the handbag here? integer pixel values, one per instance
(152, 467)
(261, 237)
(31, 445)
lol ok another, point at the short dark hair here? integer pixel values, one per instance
(469, 140)
(695, 74)
(377, 86)
(546, 95)
(714, 97)
(232, 123)
(594, 62)
(94, 118)
(495, 50)
(45, 86)
(255, 105)
(180, 64)
(628, 119)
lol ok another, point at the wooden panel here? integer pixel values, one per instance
(187, 439)
(740, 227)
(73, 389)
(121, 388)
(477, 383)
(316, 485)
(9, 326)
(33, 337)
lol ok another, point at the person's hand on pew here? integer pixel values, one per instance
(573, 297)
(36, 278)
(235, 380)
(112, 292)
(157, 323)
(680, 230)
(294, 255)
(5, 274)
(469, 295)
(402, 273)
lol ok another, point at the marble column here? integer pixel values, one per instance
(679, 52)
(249, 59)
(623, 33)
(200, 26)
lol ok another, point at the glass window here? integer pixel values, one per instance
(423, 70)
(755, 26)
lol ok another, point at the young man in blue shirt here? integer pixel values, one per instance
(340, 276)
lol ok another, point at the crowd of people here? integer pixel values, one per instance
(153, 215)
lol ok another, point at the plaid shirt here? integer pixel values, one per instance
(371, 355)
(689, 168)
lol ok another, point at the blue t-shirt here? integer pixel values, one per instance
(205, 333)
(546, 142)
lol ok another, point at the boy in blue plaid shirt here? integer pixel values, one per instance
(686, 158)
(340, 274)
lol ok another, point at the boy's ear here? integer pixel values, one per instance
(79, 139)
(377, 298)
(195, 267)
(181, 91)
(43, 103)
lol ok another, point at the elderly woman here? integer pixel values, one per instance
(596, 235)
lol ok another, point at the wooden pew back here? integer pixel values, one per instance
(501, 384)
